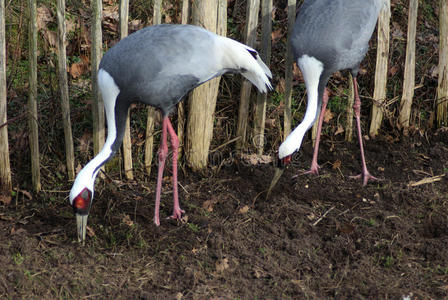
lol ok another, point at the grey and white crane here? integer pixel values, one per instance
(328, 36)
(158, 66)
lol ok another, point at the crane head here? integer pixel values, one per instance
(81, 206)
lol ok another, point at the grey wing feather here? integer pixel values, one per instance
(158, 64)
(336, 32)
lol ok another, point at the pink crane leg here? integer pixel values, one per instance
(163, 153)
(314, 166)
(365, 175)
(177, 211)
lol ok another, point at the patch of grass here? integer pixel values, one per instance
(338, 104)
(18, 258)
(277, 98)
(371, 222)
(193, 227)
(388, 261)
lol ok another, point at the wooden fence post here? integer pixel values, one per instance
(97, 105)
(181, 106)
(409, 67)
(202, 100)
(382, 57)
(5, 168)
(127, 144)
(32, 99)
(265, 54)
(63, 89)
(287, 121)
(250, 35)
(149, 143)
(350, 101)
(442, 88)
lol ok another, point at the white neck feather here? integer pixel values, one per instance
(86, 177)
(311, 70)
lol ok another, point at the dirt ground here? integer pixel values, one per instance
(317, 236)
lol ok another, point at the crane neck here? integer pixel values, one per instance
(109, 92)
(311, 70)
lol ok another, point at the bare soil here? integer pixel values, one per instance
(317, 237)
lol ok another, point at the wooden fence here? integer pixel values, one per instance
(195, 126)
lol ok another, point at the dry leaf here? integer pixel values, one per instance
(311, 216)
(78, 168)
(393, 70)
(255, 159)
(337, 164)
(18, 231)
(135, 25)
(84, 142)
(244, 209)
(168, 18)
(90, 232)
(127, 220)
(70, 25)
(346, 228)
(5, 199)
(208, 205)
(52, 39)
(111, 12)
(76, 69)
(270, 123)
(179, 296)
(43, 17)
(296, 72)
(276, 35)
(328, 116)
(339, 130)
(222, 265)
(259, 272)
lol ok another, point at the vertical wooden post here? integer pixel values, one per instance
(32, 99)
(202, 99)
(250, 35)
(409, 67)
(442, 88)
(221, 24)
(63, 89)
(350, 102)
(382, 56)
(265, 54)
(97, 105)
(149, 143)
(181, 106)
(287, 122)
(127, 145)
(5, 168)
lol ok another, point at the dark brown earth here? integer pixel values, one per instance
(317, 237)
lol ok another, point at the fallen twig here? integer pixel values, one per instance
(323, 216)
(426, 180)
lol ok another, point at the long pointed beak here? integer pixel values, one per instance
(278, 173)
(81, 225)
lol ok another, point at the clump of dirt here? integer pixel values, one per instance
(317, 237)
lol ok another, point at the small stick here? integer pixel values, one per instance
(323, 216)
(427, 180)
(225, 144)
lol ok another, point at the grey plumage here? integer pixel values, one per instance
(328, 36)
(336, 32)
(158, 66)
